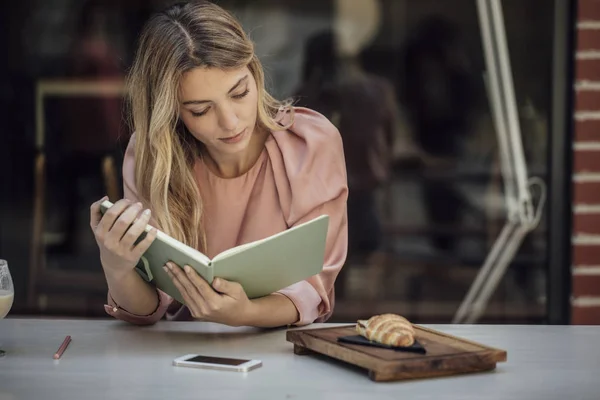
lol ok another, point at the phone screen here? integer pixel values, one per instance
(216, 360)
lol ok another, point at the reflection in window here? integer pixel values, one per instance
(402, 80)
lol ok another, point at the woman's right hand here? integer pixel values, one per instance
(116, 238)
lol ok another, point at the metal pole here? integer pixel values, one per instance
(521, 216)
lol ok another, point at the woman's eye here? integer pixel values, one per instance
(241, 95)
(199, 114)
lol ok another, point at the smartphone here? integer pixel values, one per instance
(220, 363)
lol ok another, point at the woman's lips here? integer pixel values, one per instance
(234, 139)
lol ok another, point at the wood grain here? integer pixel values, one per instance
(446, 354)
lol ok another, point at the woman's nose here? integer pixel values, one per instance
(228, 119)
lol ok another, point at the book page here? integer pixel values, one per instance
(237, 249)
(278, 261)
(243, 247)
(190, 251)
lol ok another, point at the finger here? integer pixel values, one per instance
(95, 214)
(190, 301)
(111, 215)
(126, 220)
(142, 246)
(138, 227)
(182, 278)
(201, 285)
(231, 289)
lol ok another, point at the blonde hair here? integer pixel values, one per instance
(183, 37)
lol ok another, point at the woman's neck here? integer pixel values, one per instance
(233, 165)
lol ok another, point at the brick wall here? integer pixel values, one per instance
(585, 301)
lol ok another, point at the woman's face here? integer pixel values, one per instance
(219, 107)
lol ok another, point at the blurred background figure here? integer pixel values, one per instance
(363, 108)
(441, 92)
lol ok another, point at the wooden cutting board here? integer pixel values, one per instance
(446, 354)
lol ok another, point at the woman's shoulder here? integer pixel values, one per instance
(306, 126)
(307, 141)
(308, 162)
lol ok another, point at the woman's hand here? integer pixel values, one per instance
(227, 303)
(116, 236)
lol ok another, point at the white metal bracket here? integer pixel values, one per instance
(521, 216)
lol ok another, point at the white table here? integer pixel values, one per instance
(108, 359)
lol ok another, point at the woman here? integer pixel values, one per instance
(216, 162)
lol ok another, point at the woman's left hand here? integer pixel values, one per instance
(224, 302)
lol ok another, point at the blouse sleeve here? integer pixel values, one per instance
(130, 193)
(310, 173)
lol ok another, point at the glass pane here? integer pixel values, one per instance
(403, 81)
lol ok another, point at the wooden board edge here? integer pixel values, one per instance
(313, 344)
(321, 328)
(492, 356)
(416, 326)
(403, 376)
(294, 333)
(318, 345)
(302, 351)
(501, 353)
(383, 370)
(498, 355)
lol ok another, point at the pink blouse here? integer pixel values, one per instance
(300, 175)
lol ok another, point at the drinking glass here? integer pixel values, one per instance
(7, 292)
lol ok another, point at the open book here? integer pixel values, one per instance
(261, 267)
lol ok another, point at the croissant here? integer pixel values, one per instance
(388, 329)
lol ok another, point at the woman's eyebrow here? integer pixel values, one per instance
(237, 84)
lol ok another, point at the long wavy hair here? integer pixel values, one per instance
(174, 41)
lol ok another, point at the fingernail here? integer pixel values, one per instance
(216, 283)
(166, 269)
(170, 266)
(147, 212)
(188, 269)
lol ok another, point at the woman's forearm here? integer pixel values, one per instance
(272, 311)
(132, 293)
